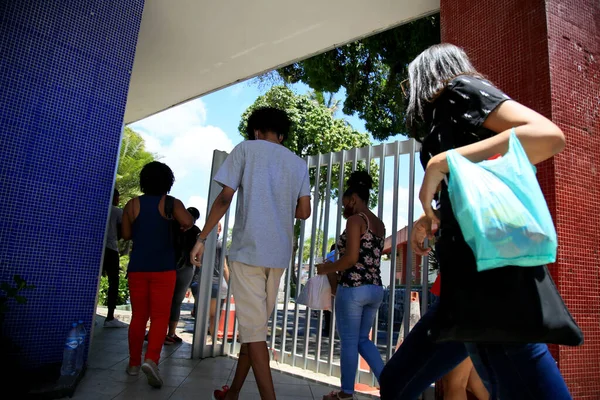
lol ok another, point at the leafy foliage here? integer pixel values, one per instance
(132, 158)
(318, 246)
(315, 130)
(123, 295)
(370, 70)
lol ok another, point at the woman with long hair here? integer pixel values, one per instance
(459, 109)
(359, 291)
(151, 271)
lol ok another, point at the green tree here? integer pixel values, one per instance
(315, 130)
(318, 246)
(370, 70)
(132, 158)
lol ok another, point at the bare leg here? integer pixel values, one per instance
(259, 359)
(476, 386)
(455, 382)
(211, 320)
(241, 372)
(172, 327)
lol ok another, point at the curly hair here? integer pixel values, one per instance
(268, 119)
(156, 179)
(361, 183)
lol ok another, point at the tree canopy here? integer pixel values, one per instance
(132, 158)
(315, 130)
(370, 70)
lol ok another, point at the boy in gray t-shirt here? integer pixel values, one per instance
(273, 186)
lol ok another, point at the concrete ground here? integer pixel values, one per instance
(183, 378)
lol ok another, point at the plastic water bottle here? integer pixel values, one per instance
(69, 364)
(82, 333)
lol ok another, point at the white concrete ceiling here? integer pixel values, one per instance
(188, 48)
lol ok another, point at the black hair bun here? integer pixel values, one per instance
(360, 179)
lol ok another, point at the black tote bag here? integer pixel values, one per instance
(511, 305)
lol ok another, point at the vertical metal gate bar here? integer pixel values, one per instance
(392, 293)
(298, 287)
(313, 238)
(338, 229)
(286, 300)
(380, 200)
(221, 278)
(199, 348)
(409, 251)
(298, 283)
(324, 252)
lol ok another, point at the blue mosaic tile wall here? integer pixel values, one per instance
(64, 75)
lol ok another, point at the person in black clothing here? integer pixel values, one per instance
(185, 273)
(111, 266)
(456, 108)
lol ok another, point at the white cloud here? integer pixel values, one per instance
(190, 151)
(201, 203)
(174, 121)
(403, 197)
(182, 141)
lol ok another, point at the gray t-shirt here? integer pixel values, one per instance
(269, 179)
(116, 216)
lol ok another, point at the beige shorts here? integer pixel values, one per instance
(255, 292)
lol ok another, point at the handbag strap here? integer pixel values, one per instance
(169, 206)
(363, 216)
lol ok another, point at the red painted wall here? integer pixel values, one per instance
(546, 55)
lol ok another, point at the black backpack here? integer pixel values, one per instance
(175, 233)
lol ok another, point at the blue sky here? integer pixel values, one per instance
(185, 137)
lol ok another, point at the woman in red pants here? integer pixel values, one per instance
(151, 271)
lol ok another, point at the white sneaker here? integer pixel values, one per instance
(115, 323)
(150, 368)
(133, 370)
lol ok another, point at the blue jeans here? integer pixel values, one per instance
(524, 371)
(419, 362)
(355, 312)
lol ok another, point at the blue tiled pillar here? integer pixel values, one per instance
(64, 74)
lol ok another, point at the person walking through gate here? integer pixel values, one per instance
(111, 266)
(151, 270)
(458, 109)
(185, 273)
(359, 291)
(273, 185)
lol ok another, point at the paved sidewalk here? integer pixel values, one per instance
(184, 378)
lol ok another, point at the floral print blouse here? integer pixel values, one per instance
(366, 271)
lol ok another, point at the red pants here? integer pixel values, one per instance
(151, 294)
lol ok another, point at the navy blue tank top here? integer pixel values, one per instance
(153, 249)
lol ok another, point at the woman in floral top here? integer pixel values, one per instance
(359, 291)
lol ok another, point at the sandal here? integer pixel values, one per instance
(173, 339)
(337, 396)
